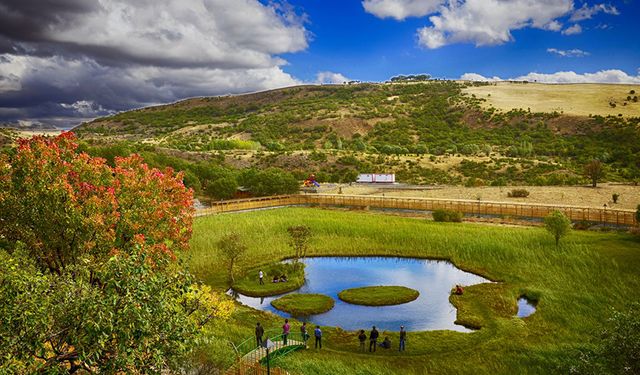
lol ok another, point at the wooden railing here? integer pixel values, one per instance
(531, 210)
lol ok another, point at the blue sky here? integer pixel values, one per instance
(348, 40)
(67, 61)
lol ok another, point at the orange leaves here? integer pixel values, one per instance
(64, 204)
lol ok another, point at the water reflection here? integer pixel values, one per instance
(525, 307)
(431, 311)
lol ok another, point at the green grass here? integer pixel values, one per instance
(576, 286)
(249, 284)
(379, 295)
(298, 304)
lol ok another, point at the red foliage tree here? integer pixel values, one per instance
(67, 206)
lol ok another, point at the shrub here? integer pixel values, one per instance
(447, 216)
(518, 193)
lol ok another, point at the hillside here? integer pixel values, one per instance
(427, 132)
(569, 99)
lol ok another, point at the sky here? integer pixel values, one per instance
(66, 61)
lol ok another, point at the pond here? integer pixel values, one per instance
(431, 311)
(525, 307)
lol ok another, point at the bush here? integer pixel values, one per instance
(518, 193)
(447, 216)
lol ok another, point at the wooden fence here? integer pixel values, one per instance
(530, 210)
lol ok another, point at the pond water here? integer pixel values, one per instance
(525, 307)
(431, 311)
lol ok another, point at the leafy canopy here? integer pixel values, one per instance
(557, 224)
(88, 274)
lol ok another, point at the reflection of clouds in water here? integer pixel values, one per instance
(433, 279)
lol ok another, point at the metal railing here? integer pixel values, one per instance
(253, 359)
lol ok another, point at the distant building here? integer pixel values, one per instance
(382, 178)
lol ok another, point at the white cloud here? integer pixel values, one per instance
(331, 77)
(490, 22)
(587, 12)
(118, 54)
(401, 9)
(553, 26)
(573, 30)
(568, 52)
(478, 77)
(215, 33)
(70, 88)
(86, 108)
(603, 76)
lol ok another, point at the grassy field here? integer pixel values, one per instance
(379, 295)
(576, 284)
(571, 99)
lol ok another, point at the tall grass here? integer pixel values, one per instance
(577, 285)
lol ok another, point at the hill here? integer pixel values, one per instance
(390, 127)
(569, 99)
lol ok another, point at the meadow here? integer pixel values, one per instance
(576, 284)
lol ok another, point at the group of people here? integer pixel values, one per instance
(276, 279)
(286, 329)
(386, 343)
(317, 333)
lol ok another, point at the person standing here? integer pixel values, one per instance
(318, 335)
(261, 276)
(362, 337)
(259, 334)
(403, 338)
(285, 331)
(305, 335)
(373, 339)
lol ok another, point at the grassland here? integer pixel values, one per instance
(301, 305)
(569, 99)
(577, 285)
(379, 295)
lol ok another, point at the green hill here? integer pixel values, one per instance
(385, 127)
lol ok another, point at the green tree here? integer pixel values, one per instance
(299, 239)
(594, 170)
(222, 188)
(557, 224)
(272, 181)
(232, 248)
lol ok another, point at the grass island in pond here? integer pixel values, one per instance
(249, 284)
(298, 304)
(379, 295)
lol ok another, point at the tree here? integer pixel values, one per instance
(557, 224)
(272, 181)
(88, 273)
(222, 188)
(232, 249)
(594, 170)
(299, 238)
(65, 206)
